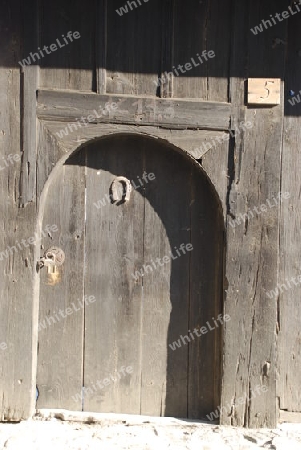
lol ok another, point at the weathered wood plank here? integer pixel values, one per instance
(206, 283)
(29, 79)
(29, 135)
(291, 417)
(190, 16)
(72, 65)
(67, 106)
(289, 317)
(218, 39)
(49, 154)
(114, 250)
(165, 82)
(61, 309)
(195, 142)
(209, 207)
(218, 173)
(251, 265)
(16, 264)
(134, 47)
(101, 46)
(165, 287)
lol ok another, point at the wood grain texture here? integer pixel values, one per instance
(166, 288)
(101, 46)
(29, 80)
(61, 314)
(141, 330)
(218, 39)
(16, 270)
(218, 173)
(206, 283)
(289, 312)
(29, 135)
(290, 417)
(165, 82)
(251, 265)
(193, 15)
(133, 52)
(195, 142)
(114, 249)
(201, 80)
(72, 65)
(66, 106)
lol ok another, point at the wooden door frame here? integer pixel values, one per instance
(59, 150)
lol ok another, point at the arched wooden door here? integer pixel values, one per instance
(112, 339)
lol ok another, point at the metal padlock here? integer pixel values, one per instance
(53, 256)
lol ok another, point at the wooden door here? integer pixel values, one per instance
(117, 352)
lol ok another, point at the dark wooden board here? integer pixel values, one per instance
(133, 48)
(114, 249)
(101, 46)
(219, 39)
(201, 81)
(206, 297)
(72, 65)
(193, 83)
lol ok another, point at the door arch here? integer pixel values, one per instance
(133, 337)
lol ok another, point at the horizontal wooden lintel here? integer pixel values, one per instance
(81, 108)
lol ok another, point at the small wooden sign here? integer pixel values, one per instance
(264, 91)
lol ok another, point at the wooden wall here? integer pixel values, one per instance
(261, 340)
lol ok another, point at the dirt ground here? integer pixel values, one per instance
(62, 430)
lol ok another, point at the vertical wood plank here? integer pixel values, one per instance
(165, 289)
(114, 250)
(166, 87)
(219, 40)
(29, 80)
(61, 312)
(289, 317)
(206, 284)
(133, 56)
(72, 65)
(190, 16)
(253, 244)
(101, 46)
(207, 78)
(16, 268)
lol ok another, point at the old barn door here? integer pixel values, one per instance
(139, 273)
